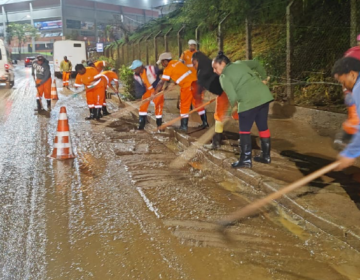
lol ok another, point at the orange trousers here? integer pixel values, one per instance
(44, 89)
(95, 96)
(66, 77)
(158, 101)
(188, 96)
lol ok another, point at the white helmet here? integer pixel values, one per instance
(192, 42)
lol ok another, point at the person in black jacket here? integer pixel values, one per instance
(210, 81)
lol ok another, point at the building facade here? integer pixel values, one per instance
(76, 19)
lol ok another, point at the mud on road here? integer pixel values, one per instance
(118, 211)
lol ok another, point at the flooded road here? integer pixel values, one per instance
(118, 211)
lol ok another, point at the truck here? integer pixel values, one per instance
(75, 52)
(6, 67)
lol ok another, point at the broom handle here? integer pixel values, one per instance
(179, 118)
(253, 207)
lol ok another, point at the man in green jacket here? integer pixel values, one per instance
(242, 85)
(66, 67)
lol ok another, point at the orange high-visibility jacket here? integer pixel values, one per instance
(179, 73)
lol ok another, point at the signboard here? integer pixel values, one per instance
(87, 25)
(99, 47)
(48, 25)
(73, 24)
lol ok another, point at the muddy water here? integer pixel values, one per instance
(118, 212)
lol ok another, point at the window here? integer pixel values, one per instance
(77, 45)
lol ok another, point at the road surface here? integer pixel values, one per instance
(118, 211)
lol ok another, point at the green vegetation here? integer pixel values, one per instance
(127, 78)
(321, 34)
(21, 32)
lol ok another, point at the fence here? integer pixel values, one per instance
(298, 48)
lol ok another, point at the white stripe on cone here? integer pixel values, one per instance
(62, 116)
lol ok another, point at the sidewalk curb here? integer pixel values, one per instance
(268, 185)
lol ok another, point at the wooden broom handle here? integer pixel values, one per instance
(179, 118)
(253, 207)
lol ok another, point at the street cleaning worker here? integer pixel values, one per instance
(208, 80)
(351, 124)
(146, 79)
(186, 56)
(346, 71)
(66, 67)
(95, 89)
(111, 77)
(243, 86)
(187, 80)
(41, 70)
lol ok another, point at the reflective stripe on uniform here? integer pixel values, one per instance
(77, 85)
(165, 77)
(184, 115)
(183, 77)
(142, 113)
(190, 65)
(151, 87)
(158, 116)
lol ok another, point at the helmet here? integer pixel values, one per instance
(358, 37)
(192, 42)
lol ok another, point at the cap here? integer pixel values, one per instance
(192, 42)
(164, 56)
(135, 64)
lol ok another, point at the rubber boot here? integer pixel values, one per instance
(105, 111)
(142, 122)
(97, 114)
(184, 125)
(265, 151)
(215, 143)
(159, 123)
(48, 102)
(39, 106)
(204, 120)
(245, 160)
(342, 139)
(92, 114)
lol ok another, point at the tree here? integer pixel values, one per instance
(21, 32)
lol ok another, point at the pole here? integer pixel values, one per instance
(248, 39)
(32, 24)
(197, 36)
(220, 34)
(353, 22)
(166, 43)
(179, 40)
(147, 48)
(139, 46)
(289, 51)
(156, 45)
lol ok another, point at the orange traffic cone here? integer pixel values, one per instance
(62, 145)
(54, 95)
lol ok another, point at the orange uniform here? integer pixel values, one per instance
(109, 77)
(95, 87)
(149, 72)
(350, 126)
(186, 56)
(99, 65)
(187, 81)
(44, 89)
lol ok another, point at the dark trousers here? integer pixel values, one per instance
(259, 115)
